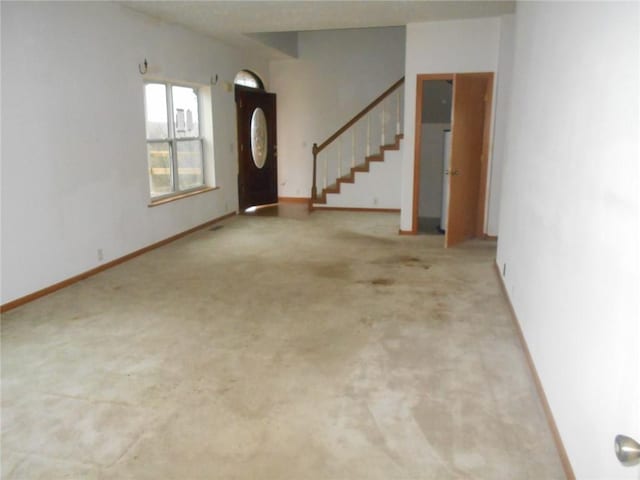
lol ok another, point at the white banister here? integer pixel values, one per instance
(368, 135)
(326, 170)
(382, 136)
(353, 147)
(339, 157)
(398, 112)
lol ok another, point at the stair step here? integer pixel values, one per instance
(362, 168)
(347, 179)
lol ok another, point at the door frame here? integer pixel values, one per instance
(486, 144)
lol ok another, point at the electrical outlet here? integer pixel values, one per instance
(100, 255)
(375, 200)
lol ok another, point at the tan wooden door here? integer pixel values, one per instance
(470, 126)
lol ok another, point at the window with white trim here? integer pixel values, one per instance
(174, 142)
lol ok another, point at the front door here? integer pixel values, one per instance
(257, 149)
(470, 143)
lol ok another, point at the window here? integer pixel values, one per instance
(174, 143)
(247, 78)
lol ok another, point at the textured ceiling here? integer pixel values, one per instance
(229, 21)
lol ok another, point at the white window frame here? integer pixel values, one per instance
(172, 140)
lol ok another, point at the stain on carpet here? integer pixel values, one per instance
(367, 322)
(402, 260)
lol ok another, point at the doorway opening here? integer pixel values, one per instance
(435, 134)
(449, 187)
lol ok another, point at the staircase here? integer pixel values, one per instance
(361, 168)
(347, 157)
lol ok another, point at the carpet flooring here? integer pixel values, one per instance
(314, 347)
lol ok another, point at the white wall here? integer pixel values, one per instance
(74, 171)
(377, 188)
(285, 42)
(503, 94)
(336, 74)
(569, 233)
(431, 169)
(442, 47)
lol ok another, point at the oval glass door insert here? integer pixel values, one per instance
(259, 137)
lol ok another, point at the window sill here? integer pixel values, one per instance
(180, 196)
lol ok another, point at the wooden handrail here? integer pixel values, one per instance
(318, 148)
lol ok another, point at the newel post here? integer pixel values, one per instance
(315, 159)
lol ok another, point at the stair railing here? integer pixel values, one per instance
(369, 130)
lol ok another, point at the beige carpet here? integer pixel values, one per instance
(276, 348)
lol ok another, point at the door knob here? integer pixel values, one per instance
(455, 172)
(627, 450)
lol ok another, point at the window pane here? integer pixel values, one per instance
(155, 96)
(190, 172)
(159, 157)
(185, 112)
(248, 79)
